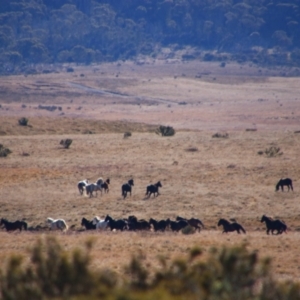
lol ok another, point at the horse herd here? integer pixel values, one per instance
(132, 223)
(100, 184)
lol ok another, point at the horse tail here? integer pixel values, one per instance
(241, 227)
(66, 227)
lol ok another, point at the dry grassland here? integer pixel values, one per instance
(202, 177)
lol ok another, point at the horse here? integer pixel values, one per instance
(11, 226)
(87, 224)
(135, 224)
(57, 224)
(127, 187)
(100, 224)
(116, 224)
(272, 225)
(177, 225)
(158, 225)
(284, 182)
(81, 184)
(153, 189)
(196, 223)
(93, 187)
(229, 227)
(104, 184)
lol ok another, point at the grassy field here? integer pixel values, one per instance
(204, 177)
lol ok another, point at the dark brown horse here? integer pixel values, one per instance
(89, 225)
(153, 189)
(105, 185)
(11, 226)
(272, 225)
(196, 223)
(229, 227)
(284, 182)
(127, 187)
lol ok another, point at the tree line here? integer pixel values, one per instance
(86, 31)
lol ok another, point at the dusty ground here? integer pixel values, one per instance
(202, 177)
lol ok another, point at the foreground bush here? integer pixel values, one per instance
(225, 274)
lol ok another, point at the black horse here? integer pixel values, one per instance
(105, 185)
(153, 189)
(229, 227)
(11, 226)
(158, 225)
(127, 187)
(272, 225)
(88, 224)
(285, 182)
(116, 224)
(135, 224)
(177, 225)
(196, 223)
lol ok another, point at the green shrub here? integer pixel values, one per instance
(4, 151)
(223, 274)
(23, 121)
(165, 130)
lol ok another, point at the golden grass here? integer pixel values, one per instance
(224, 178)
(217, 178)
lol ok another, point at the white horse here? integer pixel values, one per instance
(100, 224)
(58, 224)
(93, 187)
(81, 184)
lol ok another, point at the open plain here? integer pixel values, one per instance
(202, 176)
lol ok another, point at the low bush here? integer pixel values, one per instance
(66, 143)
(272, 151)
(223, 135)
(165, 131)
(23, 121)
(127, 134)
(4, 151)
(188, 230)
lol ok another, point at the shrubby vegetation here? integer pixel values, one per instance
(23, 121)
(4, 151)
(86, 31)
(66, 143)
(227, 273)
(272, 151)
(165, 130)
